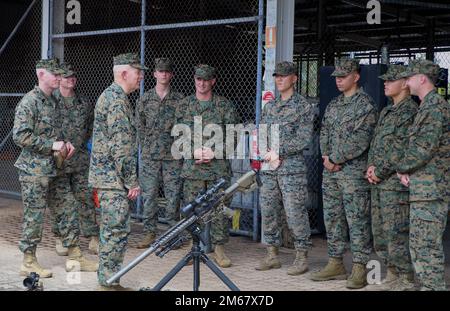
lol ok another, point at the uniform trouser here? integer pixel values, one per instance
(427, 224)
(220, 223)
(346, 209)
(288, 192)
(114, 231)
(38, 193)
(84, 203)
(390, 228)
(151, 174)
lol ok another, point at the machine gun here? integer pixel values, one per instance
(200, 208)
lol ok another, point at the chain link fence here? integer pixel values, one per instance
(18, 77)
(223, 34)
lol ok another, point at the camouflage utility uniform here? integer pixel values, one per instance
(389, 198)
(426, 160)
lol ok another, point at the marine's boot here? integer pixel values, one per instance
(147, 240)
(300, 264)
(334, 270)
(271, 261)
(405, 282)
(77, 262)
(94, 245)
(220, 257)
(387, 283)
(30, 264)
(59, 248)
(358, 278)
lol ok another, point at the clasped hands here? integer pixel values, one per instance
(331, 167)
(203, 155)
(66, 149)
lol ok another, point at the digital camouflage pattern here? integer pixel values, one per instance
(205, 72)
(218, 110)
(163, 64)
(426, 160)
(35, 132)
(113, 171)
(156, 118)
(389, 142)
(220, 223)
(295, 118)
(285, 187)
(131, 59)
(51, 65)
(76, 115)
(345, 66)
(422, 66)
(196, 177)
(346, 132)
(389, 198)
(68, 70)
(390, 228)
(288, 192)
(114, 230)
(114, 148)
(285, 69)
(393, 73)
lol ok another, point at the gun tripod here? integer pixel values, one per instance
(196, 254)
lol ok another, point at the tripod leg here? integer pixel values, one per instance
(196, 266)
(219, 273)
(166, 279)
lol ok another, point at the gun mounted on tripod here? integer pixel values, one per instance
(196, 210)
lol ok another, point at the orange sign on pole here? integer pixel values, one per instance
(271, 36)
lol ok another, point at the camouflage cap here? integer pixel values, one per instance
(422, 66)
(163, 64)
(68, 70)
(393, 73)
(285, 69)
(51, 65)
(131, 59)
(205, 72)
(345, 66)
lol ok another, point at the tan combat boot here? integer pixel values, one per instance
(93, 244)
(405, 282)
(300, 264)
(59, 248)
(358, 278)
(271, 261)
(334, 270)
(386, 284)
(147, 240)
(77, 262)
(220, 257)
(30, 264)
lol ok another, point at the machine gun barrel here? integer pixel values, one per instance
(164, 239)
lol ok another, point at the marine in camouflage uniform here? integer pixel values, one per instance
(197, 177)
(426, 160)
(389, 198)
(286, 186)
(346, 132)
(156, 117)
(113, 165)
(76, 116)
(36, 132)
